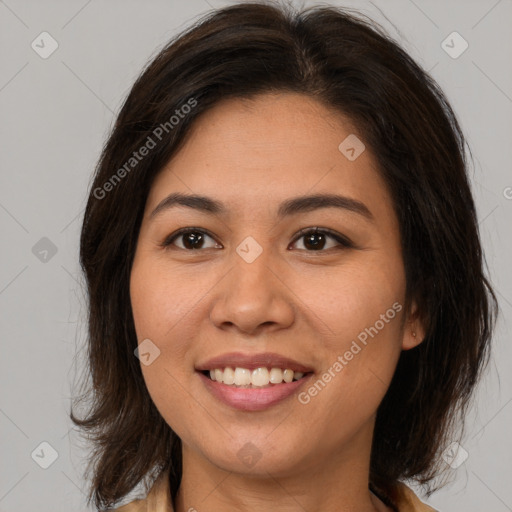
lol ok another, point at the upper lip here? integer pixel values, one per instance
(253, 361)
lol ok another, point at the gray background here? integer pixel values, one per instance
(55, 115)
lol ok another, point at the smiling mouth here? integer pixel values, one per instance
(258, 378)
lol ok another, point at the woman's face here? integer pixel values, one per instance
(252, 280)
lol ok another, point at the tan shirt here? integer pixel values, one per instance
(159, 499)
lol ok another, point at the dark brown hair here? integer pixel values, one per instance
(349, 64)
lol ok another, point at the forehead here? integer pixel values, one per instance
(268, 148)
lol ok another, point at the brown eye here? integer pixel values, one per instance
(191, 239)
(317, 239)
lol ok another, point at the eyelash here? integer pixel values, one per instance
(344, 242)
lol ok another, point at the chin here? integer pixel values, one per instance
(250, 456)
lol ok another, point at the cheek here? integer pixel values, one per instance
(353, 297)
(157, 315)
(157, 318)
(362, 306)
(161, 298)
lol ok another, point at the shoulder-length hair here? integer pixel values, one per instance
(349, 64)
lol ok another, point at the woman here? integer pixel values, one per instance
(288, 307)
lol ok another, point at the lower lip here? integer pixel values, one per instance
(252, 399)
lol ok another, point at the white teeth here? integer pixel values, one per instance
(242, 376)
(229, 376)
(259, 377)
(288, 375)
(276, 375)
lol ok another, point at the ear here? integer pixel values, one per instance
(414, 330)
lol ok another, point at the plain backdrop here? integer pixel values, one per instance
(55, 115)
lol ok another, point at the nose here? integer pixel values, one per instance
(253, 297)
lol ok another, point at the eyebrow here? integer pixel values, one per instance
(301, 204)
